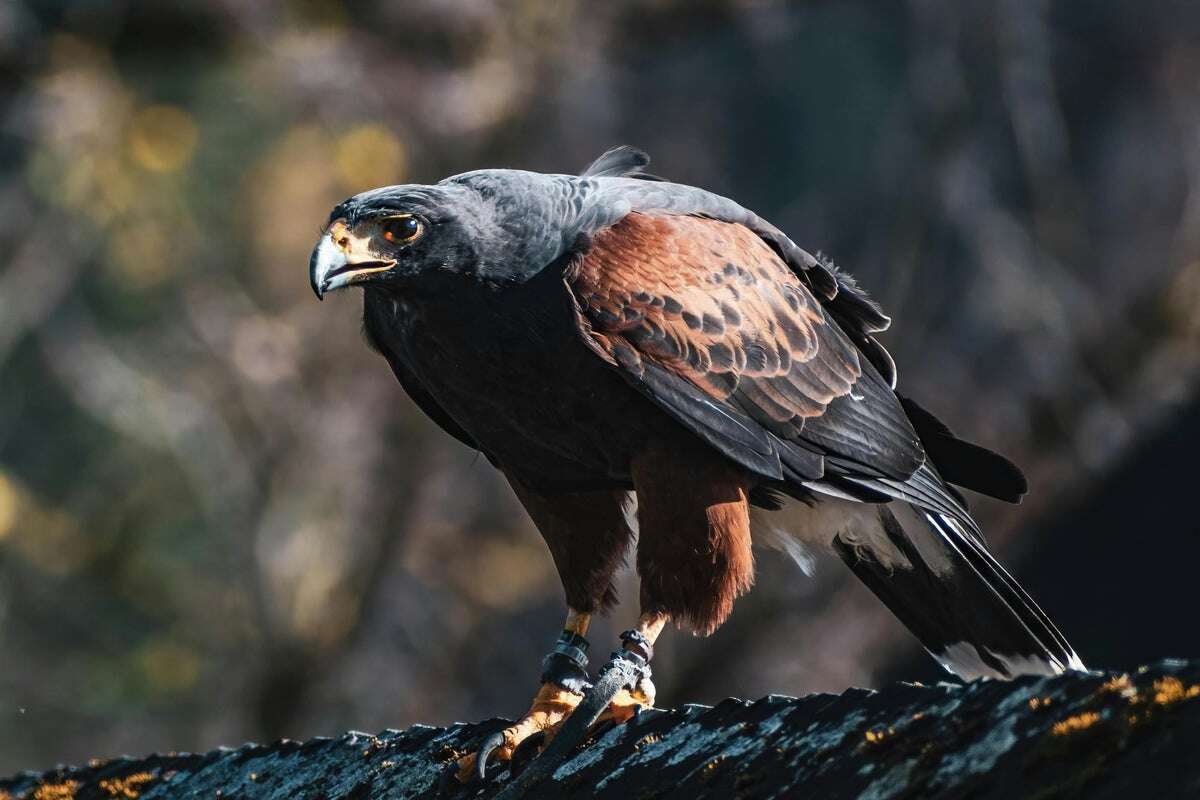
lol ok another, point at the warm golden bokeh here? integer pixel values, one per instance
(368, 156)
(162, 138)
(143, 253)
(299, 167)
(10, 505)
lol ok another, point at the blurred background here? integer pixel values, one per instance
(220, 517)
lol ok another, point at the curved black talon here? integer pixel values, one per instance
(625, 670)
(604, 727)
(484, 753)
(526, 751)
(565, 666)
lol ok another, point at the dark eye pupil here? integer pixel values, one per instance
(399, 230)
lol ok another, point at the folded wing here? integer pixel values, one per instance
(705, 316)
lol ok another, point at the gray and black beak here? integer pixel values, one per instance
(341, 259)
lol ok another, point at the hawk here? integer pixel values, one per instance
(640, 355)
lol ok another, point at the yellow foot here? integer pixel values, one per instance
(542, 722)
(550, 707)
(627, 704)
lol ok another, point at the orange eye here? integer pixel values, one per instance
(399, 230)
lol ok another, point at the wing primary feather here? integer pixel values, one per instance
(963, 463)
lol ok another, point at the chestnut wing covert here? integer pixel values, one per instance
(705, 317)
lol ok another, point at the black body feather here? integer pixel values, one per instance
(487, 327)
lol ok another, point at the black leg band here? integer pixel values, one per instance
(634, 642)
(636, 651)
(573, 646)
(566, 664)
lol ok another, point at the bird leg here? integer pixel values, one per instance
(564, 682)
(635, 644)
(622, 688)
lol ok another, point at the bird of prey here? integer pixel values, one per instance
(640, 355)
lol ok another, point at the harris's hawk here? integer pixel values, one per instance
(638, 354)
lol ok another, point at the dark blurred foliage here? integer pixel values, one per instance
(220, 518)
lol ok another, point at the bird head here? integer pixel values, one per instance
(385, 237)
(497, 226)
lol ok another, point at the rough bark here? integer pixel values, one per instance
(1094, 735)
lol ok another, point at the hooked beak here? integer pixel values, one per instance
(340, 259)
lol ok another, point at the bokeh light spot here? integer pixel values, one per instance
(369, 155)
(162, 138)
(141, 255)
(47, 536)
(10, 501)
(169, 667)
(300, 168)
